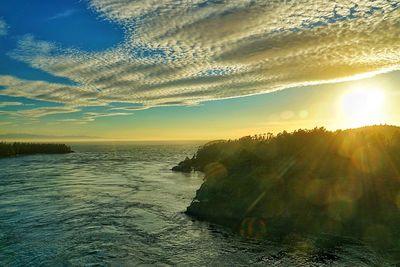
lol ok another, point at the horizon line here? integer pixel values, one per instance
(89, 139)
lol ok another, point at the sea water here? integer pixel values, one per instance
(121, 205)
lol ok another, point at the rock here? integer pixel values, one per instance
(184, 166)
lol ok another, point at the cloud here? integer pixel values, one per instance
(63, 14)
(183, 53)
(92, 116)
(53, 92)
(2, 123)
(3, 27)
(15, 136)
(8, 104)
(39, 112)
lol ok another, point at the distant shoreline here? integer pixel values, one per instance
(8, 149)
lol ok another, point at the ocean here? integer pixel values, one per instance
(121, 205)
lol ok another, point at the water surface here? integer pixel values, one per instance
(120, 205)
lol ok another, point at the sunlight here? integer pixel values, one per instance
(363, 106)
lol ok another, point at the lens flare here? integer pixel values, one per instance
(363, 107)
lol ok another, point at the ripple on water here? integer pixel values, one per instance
(110, 205)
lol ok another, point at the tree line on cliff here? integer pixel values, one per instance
(345, 183)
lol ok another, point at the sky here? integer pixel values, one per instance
(195, 70)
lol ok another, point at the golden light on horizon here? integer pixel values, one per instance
(363, 106)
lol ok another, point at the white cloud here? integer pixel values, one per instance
(40, 90)
(40, 112)
(63, 14)
(3, 27)
(92, 116)
(2, 123)
(185, 52)
(10, 104)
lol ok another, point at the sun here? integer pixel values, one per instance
(361, 107)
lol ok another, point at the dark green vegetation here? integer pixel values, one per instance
(13, 149)
(342, 183)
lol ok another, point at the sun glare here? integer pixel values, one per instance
(361, 107)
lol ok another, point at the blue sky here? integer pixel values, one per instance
(120, 69)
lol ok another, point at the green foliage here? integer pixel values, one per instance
(12, 149)
(313, 181)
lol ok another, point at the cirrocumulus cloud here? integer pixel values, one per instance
(185, 52)
(3, 27)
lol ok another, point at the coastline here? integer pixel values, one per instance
(270, 187)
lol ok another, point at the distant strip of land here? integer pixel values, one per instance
(16, 148)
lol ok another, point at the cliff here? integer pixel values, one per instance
(343, 183)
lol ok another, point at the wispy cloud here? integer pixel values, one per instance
(184, 53)
(13, 136)
(63, 14)
(40, 90)
(10, 104)
(3, 123)
(3, 27)
(92, 116)
(39, 112)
